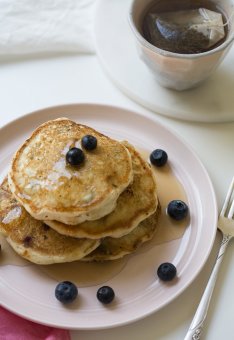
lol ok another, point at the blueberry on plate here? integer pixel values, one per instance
(89, 142)
(166, 271)
(75, 156)
(158, 157)
(177, 209)
(66, 292)
(105, 294)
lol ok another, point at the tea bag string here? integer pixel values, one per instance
(211, 23)
(229, 19)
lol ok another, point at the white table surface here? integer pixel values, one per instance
(32, 84)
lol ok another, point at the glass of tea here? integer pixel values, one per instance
(182, 41)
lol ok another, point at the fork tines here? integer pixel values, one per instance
(228, 207)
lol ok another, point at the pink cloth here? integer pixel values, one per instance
(13, 327)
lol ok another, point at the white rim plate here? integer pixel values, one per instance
(29, 293)
(115, 47)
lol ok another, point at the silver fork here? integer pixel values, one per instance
(226, 226)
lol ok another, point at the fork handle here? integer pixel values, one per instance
(195, 329)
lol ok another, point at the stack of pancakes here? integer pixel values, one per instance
(53, 212)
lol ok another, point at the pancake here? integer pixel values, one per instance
(50, 189)
(135, 204)
(35, 241)
(115, 248)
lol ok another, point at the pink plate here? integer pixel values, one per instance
(28, 290)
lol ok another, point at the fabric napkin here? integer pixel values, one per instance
(13, 327)
(39, 26)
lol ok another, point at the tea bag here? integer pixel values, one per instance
(188, 31)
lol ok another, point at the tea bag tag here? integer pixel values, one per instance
(212, 26)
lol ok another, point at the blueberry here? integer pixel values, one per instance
(66, 292)
(27, 241)
(89, 142)
(177, 210)
(75, 156)
(158, 157)
(166, 271)
(105, 294)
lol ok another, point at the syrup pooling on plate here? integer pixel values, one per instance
(168, 189)
(85, 274)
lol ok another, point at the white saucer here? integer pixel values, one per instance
(213, 101)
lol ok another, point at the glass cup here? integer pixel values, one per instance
(179, 71)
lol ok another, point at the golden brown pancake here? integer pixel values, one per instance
(50, 189)
(115, 248)
(35, 241)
